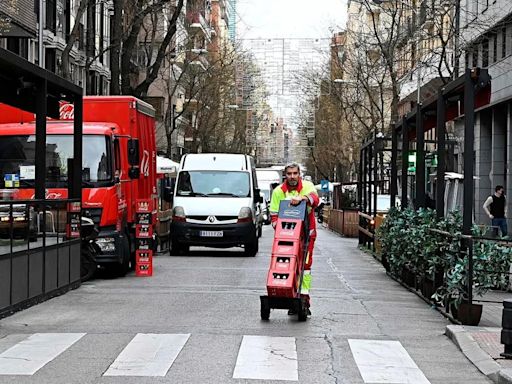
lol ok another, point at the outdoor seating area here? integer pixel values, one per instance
(39, 234)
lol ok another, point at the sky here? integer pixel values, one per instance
(289, 18)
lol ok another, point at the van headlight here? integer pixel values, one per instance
(245, 215)
(106, 244)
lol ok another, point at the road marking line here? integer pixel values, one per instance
(267, 358)
(385, 361)
(148, 354)
(339, 275)
(33, 353)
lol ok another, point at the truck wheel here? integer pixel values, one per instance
(87, 264)
(251, 248)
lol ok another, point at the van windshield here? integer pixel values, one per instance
(214, 183)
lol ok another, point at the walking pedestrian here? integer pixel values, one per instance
(496, 208)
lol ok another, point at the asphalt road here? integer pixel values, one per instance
(197, 320)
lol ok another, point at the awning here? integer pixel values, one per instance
(9, 28)
(165, 165)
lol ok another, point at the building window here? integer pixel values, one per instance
(18, 45)
(50, 59)
(51, 16)
(503, 42)
(474, 57)
(485, 53)
(494, 48)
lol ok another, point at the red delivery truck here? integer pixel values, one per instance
(118, 165)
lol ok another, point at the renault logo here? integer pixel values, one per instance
(211, 219)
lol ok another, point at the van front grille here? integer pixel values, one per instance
(205, 218)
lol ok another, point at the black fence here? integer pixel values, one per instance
(39, 251)
(459, 272)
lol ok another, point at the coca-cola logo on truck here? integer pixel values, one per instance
(67, 111)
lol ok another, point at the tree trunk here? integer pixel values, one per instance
(117, 32)
(73, 36)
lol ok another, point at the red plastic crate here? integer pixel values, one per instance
(143, 231)
(283, 230)
(143, 263)
(144, 269)
(286, 247)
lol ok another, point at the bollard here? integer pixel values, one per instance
(506, 329)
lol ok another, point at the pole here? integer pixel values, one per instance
(40, 48)
(40, 150)
(469, 137)
(420, 159)
(405, 161)
(393, 190)
(441, 153)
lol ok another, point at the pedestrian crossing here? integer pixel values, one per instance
(258, 358)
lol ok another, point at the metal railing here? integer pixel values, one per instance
(39, 250)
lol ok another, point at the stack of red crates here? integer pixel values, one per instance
(144, 236)
(287, 257)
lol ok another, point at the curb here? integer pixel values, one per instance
(477, 356)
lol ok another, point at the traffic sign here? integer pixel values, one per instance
(324, 185)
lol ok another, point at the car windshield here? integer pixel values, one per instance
(213, 183)
(17, 160)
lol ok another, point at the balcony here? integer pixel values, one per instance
(177, 58)
(198, 24)
(197, 58)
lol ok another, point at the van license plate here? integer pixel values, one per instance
(211, 234)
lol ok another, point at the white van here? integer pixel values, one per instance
(215, 203)
(266, 178)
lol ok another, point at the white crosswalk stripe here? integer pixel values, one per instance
(267, 358)
(148, 355)
(153, 355)
(385, 361)
(33, 353)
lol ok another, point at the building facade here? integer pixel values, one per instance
(486, 41)
(89, 64)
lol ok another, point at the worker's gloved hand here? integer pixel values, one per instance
(296, 200)
(274, 223)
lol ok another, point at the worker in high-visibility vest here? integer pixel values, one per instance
(295, 189)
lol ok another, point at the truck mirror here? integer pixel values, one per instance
(134, 172)
(133, 152)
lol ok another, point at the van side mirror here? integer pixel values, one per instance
(133, 152)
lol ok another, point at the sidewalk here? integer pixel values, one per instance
(481, 345)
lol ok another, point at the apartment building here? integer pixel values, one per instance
(426, 46)
(89, 57)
